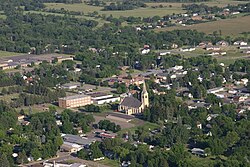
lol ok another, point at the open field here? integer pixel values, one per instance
(141, 12)
(9, 98)
(233, 26)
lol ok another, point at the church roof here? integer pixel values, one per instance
(131, 102)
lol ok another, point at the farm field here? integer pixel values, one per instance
(233, 26)
(141, 12)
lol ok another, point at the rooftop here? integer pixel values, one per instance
(74, 97)
(131, 102)
(77, 139)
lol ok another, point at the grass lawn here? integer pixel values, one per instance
(232, 27)
(109, 162)
(8, 98)
(5, 54)
(141, 12)
(147, 125)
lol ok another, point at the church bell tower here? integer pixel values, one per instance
(144, 96)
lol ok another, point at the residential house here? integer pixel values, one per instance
(215, 90)
(222, 43)
(72, 85)
(241, 43)
(244, 47)
(239, 99)
(214, 48)
(75, 139)
(199, 152)
(70, 147)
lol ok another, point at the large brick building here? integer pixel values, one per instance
(74, 101)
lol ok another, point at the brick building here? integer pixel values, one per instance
(74, 101)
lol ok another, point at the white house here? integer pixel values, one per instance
(241, 43)
(145, 51)
(215, 90)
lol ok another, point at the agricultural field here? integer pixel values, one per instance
(232, 27)
(141, 12)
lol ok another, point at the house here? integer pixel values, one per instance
(61, 164)
(244, 47)
(70, 147)
(246, 51)
(239, 99)
(216, 90)
(241, 43)
(104, 135)
(199, 152)
(164, 53)
(72, 85)
(145, 50)
(215, 48)
(198, 18)
(131, 105)
(187, 49)
(211, 116)
(138, 28)
(222, 43)
(174, 46)
(234, 13)
(75, 139)
(199, 125)
(204, 44)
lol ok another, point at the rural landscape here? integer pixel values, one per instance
(124, 83)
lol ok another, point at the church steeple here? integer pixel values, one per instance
(144, 96)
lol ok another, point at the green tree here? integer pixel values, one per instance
(35, 153)
(4, 161)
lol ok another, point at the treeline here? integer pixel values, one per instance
(204, 9)
(70, 35)
(72, 120)
(40, 139)
(179, 1)
(125, 5)
(31, 4)
(10, 80)
(109, 126)
(26, 99)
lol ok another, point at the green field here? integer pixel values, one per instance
(232, 27)
(168, 8)
(141, 12)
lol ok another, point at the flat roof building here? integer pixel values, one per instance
(74, 101)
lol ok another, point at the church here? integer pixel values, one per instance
(131, 105)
